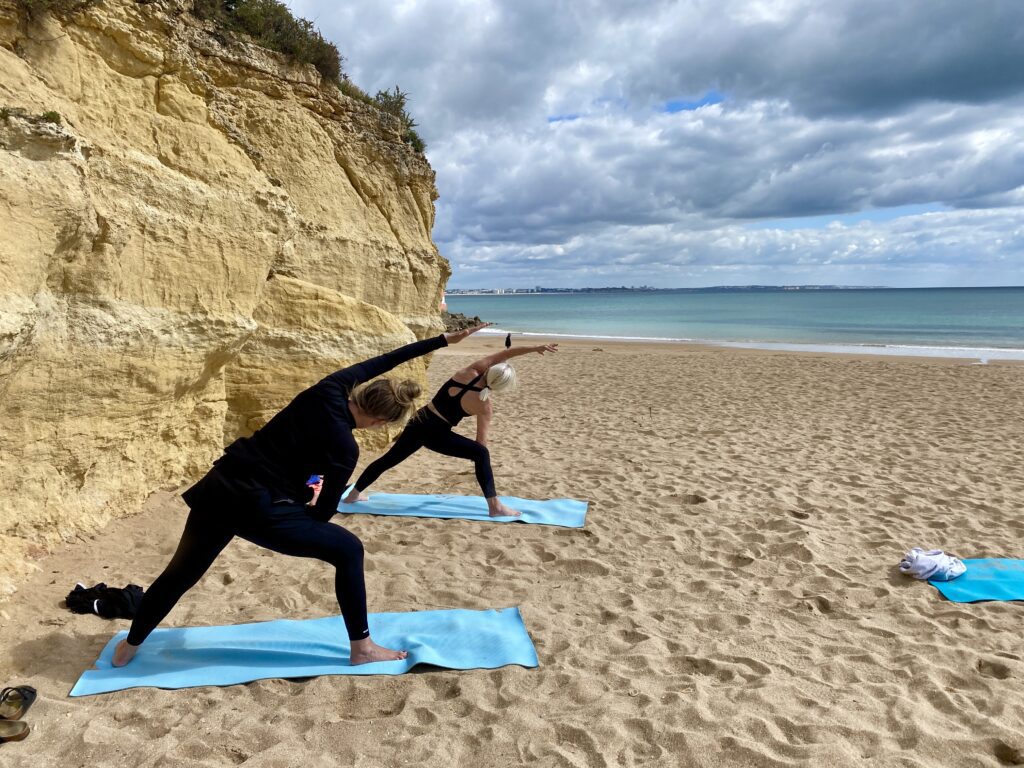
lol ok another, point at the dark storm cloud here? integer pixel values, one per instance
(487, 62)
(868, 56)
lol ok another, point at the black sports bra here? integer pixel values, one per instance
(450, 406)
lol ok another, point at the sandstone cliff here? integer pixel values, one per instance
(205, 232)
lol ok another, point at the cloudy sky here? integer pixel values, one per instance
(709, 142)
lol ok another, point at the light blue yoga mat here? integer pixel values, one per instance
(194, 656)
(567, 513)
(989, 578)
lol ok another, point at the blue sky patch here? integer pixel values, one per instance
(681, 105)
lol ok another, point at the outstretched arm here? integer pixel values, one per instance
(484, 363)
(375, 366)
(456, 336)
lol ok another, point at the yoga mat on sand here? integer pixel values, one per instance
(567, 513)
(989, 578)
(194, 656)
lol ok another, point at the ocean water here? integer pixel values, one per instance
(983, 323)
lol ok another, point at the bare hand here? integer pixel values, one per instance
(456, 336)
(317, 487)
(545, 348)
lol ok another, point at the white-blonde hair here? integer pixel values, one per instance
(499, 378)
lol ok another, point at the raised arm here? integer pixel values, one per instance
(375, 366)
(484, 363)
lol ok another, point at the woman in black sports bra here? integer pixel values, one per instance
(467, 393)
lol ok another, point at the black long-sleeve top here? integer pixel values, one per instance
(313, 434)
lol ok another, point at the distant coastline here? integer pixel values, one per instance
(709, 289)
(650, 289)
(986, 323)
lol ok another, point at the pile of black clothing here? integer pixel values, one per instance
(108, 602)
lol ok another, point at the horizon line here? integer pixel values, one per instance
(536, 289)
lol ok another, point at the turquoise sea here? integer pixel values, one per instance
(984, 323)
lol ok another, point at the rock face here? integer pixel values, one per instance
(205, 232)
(456, 321)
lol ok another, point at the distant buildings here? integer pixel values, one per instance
(540, 289)
(647, 288)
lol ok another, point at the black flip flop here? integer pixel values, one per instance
(15, 701)
(15, 730)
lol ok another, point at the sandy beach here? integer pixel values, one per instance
(733, 600)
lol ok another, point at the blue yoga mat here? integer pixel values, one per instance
(989, 578)
(567, 513)
(194, 656)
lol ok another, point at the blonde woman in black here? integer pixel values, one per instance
(257, 490)
(466, 393)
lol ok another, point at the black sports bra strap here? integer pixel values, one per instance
(467, 387)
(449, 406)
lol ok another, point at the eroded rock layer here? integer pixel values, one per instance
(191, 231)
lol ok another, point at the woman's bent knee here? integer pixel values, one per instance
(346, 548)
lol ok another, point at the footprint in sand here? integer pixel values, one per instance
(993, 669)
(792, 551)
(818, 604)
(1008, 755)
(582, 567)
(632, 637)
(692, 498)
(424, 716)
(740, 561)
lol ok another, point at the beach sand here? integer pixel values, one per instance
(732, 601)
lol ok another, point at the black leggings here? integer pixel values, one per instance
(222, 510)
(428, 430)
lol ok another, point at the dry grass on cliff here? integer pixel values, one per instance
(35, 8)
(273, 26)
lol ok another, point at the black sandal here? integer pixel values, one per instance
(14, 702)
(13, 731)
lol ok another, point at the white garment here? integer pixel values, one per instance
(931, 564)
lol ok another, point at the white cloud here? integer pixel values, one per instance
(829, 108)
(946, 248)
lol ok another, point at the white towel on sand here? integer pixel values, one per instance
(931, 564)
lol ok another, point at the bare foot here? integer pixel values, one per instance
(496, 509)
(354, 496)
(124, 653)
(367, 651)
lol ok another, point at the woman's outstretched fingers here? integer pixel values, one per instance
(456, 336)
(547, 348)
